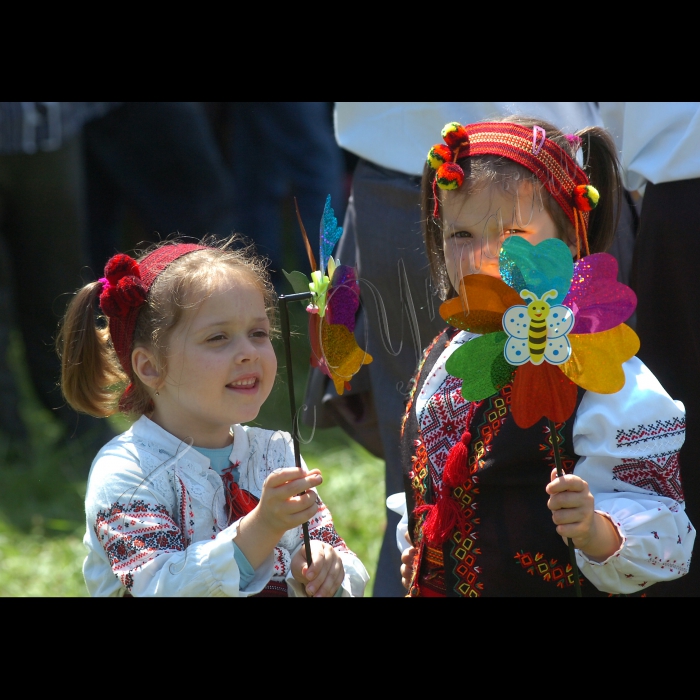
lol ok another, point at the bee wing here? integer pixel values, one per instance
(516, 351)
(559, 321)
(516, 322)
(557, 350)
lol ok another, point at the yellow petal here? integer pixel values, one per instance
(596, 358)
(344, 356)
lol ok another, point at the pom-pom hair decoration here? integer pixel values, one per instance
(586, 197)
(438, 155)
(122, 288)
(454, 134)
(449, 176)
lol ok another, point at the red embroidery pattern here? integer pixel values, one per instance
(567, 463)
(442, 423)
(671, 565)
(321, 528)
(280, 564)
(655, 431)
(494, 415)
(464, 552)
(550, 570)
(134, 534)
(658, 473)
(409, 403)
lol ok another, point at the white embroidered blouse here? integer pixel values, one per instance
(156, 518)
(628, 444)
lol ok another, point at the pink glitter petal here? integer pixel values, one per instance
(598, 300)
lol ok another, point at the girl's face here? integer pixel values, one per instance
(475, 227)
(220, 366)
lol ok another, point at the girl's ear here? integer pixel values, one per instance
(145, 367)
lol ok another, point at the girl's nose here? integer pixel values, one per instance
(246, 351)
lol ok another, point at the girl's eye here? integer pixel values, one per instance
(462, 234)
(215, 338)
(260, 334)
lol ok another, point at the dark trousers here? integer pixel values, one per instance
(162, 160)
(668, 325)
(278, 151)
(42, 224)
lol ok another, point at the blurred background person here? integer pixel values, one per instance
(277, 151)
(43, 237)
(659, 144)
(153, 169)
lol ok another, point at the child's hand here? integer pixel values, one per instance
(572, 506)
(282, 505)
(323, 578)
(407, 557)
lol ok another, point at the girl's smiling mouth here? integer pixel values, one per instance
(244, 383)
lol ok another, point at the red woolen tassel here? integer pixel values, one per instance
(442, 519)
(456, 471)
(446, 513)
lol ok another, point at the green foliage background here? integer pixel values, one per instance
(42, 485)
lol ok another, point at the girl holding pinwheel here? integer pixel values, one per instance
(541, 456)
(191, 501)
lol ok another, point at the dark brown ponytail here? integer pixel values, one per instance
(603, 170)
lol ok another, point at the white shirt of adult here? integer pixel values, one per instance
(398, 135)
(658, 141)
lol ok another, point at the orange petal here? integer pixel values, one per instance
(542, 391)
(596, 358)
(343, 355)
(481, 304)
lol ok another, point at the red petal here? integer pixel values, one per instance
(542, 391)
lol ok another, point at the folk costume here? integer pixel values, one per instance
(162, 522)
(504, 543)
(521, 388)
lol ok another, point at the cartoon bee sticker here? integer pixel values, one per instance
(538, 331)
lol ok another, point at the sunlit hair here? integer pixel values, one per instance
(481, 172)
(92, 380)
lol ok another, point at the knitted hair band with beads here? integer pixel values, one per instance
(125, 288)
(560, 174)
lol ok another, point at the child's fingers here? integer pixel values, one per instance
(282, 476)
(295, 487)
(566, 482)
(325, 574)
(570, 499)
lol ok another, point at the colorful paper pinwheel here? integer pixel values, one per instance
(336, 297)
(569, 331)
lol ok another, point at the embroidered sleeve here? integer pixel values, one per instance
(138, 538)
(629, 443)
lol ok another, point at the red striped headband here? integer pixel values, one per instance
(561, 175)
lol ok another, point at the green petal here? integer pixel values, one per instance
(480, 363)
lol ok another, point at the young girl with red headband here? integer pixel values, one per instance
(486, 513)
(188, 501)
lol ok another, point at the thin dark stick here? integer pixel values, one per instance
(284, 317)
(560, 472)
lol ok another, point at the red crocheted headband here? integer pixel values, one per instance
(529, 147)
(125, 286)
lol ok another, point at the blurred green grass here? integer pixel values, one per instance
(42, 485)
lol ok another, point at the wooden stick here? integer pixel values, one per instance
(560, 472)
(284, 317)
